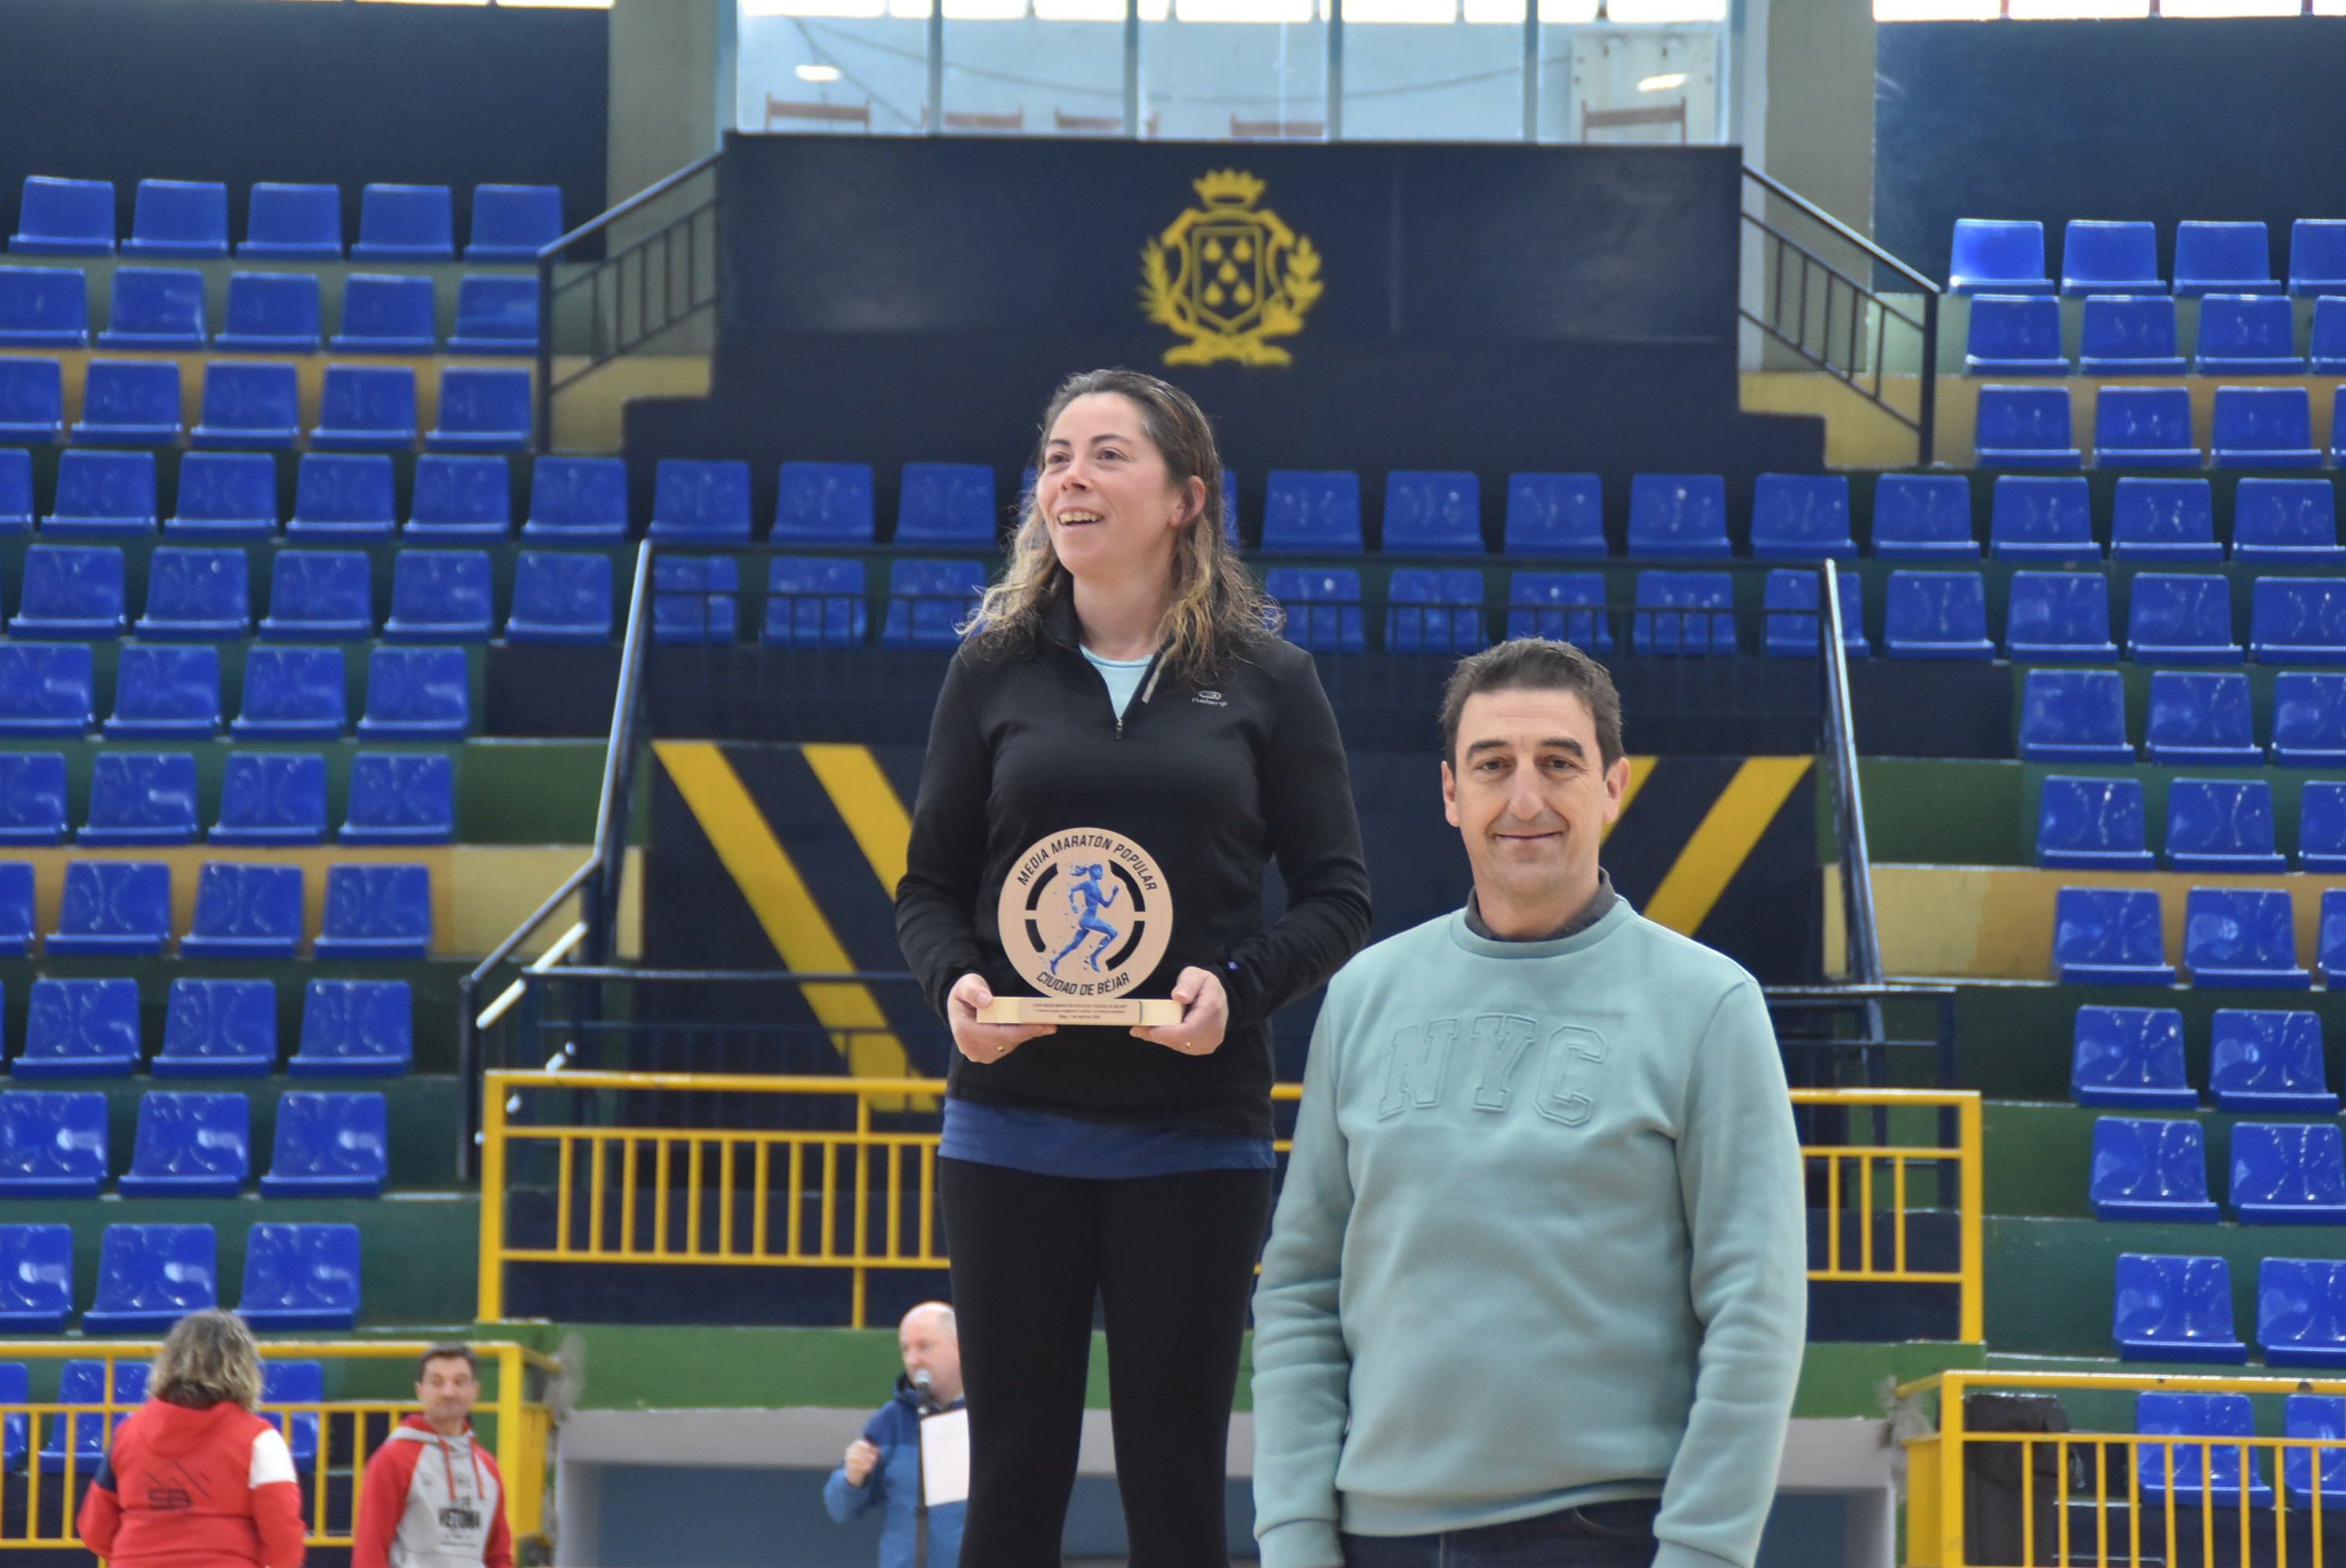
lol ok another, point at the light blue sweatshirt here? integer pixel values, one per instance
(1542, 1244)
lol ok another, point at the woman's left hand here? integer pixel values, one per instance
(1205, 1015)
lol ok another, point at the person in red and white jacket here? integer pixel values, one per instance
(193, 1478)
(433, 1497)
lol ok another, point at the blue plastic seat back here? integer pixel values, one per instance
(321, 593)
(2267, 1058)
(1323, 608)
(131, 399)
(1430, 513)
(270, 310)
(228, 1024)
(388, 312)
(928, 600)
(407, 222)
(294, 692)
(343, 1137)
(246, 911)
(2176, 615)
(141, 797)
(946, 503)
(1562, 607)
(46, 688)
(404, 798)
(293, 222)
(813, 602)
(32, 797)
(426, 688)
(37, 1271)
(2237, 931)
(301, 1276)
(1678, 514)
(1435, 611)
(2317, 256)
(1923, 515)
(2266, 420)
(65, 218)
(695, 599)
(2321, 824)
(2058, 614)
(2222, 258)
(2141, 1164)
(367, 1022)
(2326, 343)
(193, 1137)
(261, 401)
(2289, 1167)
(234, 491)
(272, 798)
(2221, 818)
(1673, 613)
(1560, 515)
(2126, 334)
(483, 407)
(84, 1383)
(106, 491)
(2210, 1470)
(159, 1272)
(72, 589)
(495, 315)
(165, 691)
(1936, 615)
(2298, 620)
(2091, 822)
(1791, 596)
(514, 222)
(2108, 931)
(2040, 518)
(32, 398)
(561, 596)
(2300, 1323)
(2014, 334)
(468, 495)
(52, 1144)
(2103, 257)
(286, 1383)
(1992, 256)
(824, 503)
(44, 308)
(377, 911)
(581, 496)
(2200, 717)
(701, 500)
(198, 593)
(2129, 1056)
(1312, 511)
(2179, 1306)
(376, 402)
(1800, 517)
(15, 490)
(2330, 940)
(15, 1389)
(2025, 426)
(2252, 333)
(94, 1019)
(441, 595)
(179, 218)
(2163, 520)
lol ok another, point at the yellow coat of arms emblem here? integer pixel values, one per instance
(1228, 276)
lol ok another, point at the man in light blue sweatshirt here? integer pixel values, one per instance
(1535, 1293)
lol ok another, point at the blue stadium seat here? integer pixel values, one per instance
(2175, 1309)
(225, 495)
(271, 798)
(2014, 335)
(377, 911)
(2042, 519)
(32, 798)
(36, 1278)
(44, 308)
(2247, 335)
(401, 797)
(417, 694)
(247, 912)
(2163, 520)
(2322, 826)
(2298, 620)
(366, 408)
(440, 595)
(70, 590)
(1432, 513)
(2150, 1170)
(576, 499)
(131, 402)
(2316, 256)
(32, 400)
(179, 218)
(2181, 619)
(482, 409)
(201, 593)
(166, 694)
(1679, 516)
(386, 315)
(141, 797)
(2102, 258)
(2199, 1474)
(1312, 511)
(103, 495)
(565, 596)
(927, 600)
(344, 495)
(15, 490)
(1670, 618)
(292, 694)
(2109, 936)
(460, 498)
(271, 313)
(2222, 825)
(155, 308)
(2289, 1173)
(1544, 604)
(1790, 596)
(2129, 1056)
(2094, 824)
(2073, 716)
(2199, 719)
(1435, 611)
(325, 594)
(65, 218)
(2300, 1323)
(292, 223)
(2326, 344)
(294, 1383)
(15, 1389)
(113, 907)
(15, 907)
(2026, 427)
(1323, 608)
(328, 1146)
(514, 222)
(1556, 514)
(354, 1029)
(249, 406)
(2264, 427)
(696, 502)
(1991, 256)
(2144, 427)
(824, 503)
(695, 599)
(151, 1276)
(83, 1383)
(191, 1145)
(2329, 950)
(1936, 615)
(2060, 616)
(2222, 258)
(89, 1028)
(45, 689)
(1800, 517)
(52, 1145)
(406, 223)
(219, 1029)
(1923, 517)
(2264, 1061)
(811, 602)
(301, 1277)
(2242, 938)
(2338, 427)
(952, 504)
(2122, 336)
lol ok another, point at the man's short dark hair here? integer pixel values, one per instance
(451, 1351)
(1534, 664)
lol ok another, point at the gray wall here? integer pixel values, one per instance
(1819, 103)
(672, 86)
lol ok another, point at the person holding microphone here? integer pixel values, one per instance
(1121, 712)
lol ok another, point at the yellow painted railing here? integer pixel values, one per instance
(44, 1491)
(2119, 1498)
(860, 1197)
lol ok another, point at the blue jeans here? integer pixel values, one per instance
(1601, 1535)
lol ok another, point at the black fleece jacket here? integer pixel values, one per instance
(1213, 780)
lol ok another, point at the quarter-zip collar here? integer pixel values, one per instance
(1060, 625)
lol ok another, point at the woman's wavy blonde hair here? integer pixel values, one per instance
(1215, 611)
(209, 1358)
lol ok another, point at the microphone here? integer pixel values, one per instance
(921, 1382)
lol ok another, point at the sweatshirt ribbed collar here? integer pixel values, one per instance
(1603, 914)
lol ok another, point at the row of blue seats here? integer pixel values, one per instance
(2260, 1061)
(2130, 335)
(53, 1143)
(1997, 256)
(188, 219)
(2151, 427)
(265, 798)
(151, 1276)
(162, 307)
(163, 692)
(363, 408)
(2283, 1173)
(2236, 937)
(83, 1383)
(244, 910)
(2180, 1309)
(216, 1028)
(2212, 825)
(2196, 718)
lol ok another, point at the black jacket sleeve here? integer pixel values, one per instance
(1315, 835)
(946, 860)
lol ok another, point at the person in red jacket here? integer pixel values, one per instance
(432, 1496)
(194, 1479)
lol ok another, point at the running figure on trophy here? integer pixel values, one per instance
(1086, 887)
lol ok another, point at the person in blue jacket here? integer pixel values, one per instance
(882, 1467)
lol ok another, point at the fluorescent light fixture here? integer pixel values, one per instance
(818, 73)
(1663, 84)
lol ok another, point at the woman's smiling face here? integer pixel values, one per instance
(1104, 491)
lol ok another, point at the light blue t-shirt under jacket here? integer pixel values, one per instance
(1123, 677)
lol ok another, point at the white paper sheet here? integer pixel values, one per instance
(944, 1458)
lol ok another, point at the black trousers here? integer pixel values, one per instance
(1171, 1261)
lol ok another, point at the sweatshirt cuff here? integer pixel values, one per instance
(1675, 1554)
(1301, 1543)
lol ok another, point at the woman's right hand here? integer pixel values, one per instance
(984, 1042)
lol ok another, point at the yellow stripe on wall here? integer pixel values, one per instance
(867, 803)
(1724, 841)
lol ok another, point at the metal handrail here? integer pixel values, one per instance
(1863, 939)
(553, 251)
(1839, 230)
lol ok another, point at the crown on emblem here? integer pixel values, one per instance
(1227, 188)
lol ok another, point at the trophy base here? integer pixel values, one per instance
(1079, 1009)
